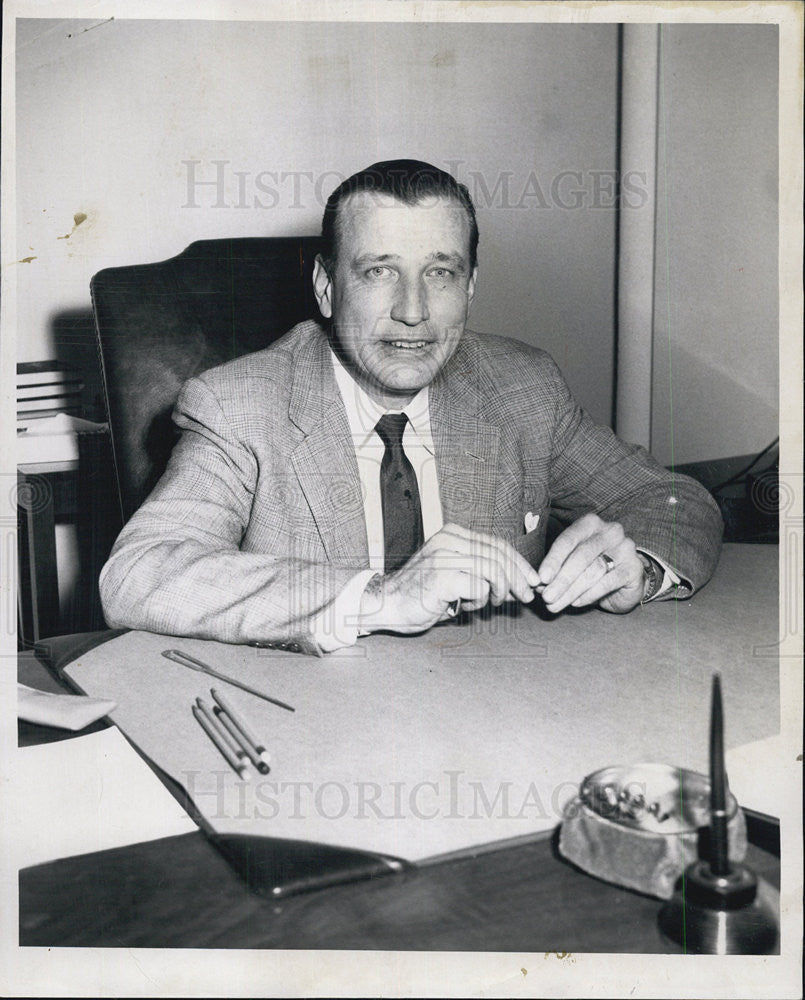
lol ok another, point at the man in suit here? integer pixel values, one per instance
(390, 468)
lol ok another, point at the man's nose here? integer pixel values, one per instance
(410, 305)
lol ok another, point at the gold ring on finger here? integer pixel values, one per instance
(609, 562)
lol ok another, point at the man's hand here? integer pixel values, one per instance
(574, 572)
(454, 564)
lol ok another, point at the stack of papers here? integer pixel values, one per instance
(53, 439)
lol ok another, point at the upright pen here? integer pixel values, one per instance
(719, 859)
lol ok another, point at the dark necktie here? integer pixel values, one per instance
(402, 512)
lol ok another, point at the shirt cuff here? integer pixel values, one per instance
(336, 625)
(670, 578)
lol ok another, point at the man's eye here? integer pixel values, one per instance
(443, 273)
(378, 271)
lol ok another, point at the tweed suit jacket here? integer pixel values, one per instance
(258, 522)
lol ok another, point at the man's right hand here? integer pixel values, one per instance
(455, 564)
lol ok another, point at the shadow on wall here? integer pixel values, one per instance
(73, 337)
(86, 509)
(713, 409)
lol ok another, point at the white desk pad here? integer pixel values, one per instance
(467, 735)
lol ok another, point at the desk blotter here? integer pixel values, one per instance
(472, 734)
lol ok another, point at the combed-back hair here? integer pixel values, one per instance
(409, 181)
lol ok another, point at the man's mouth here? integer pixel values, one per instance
(408, 345)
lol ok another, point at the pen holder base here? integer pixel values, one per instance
(728, 915)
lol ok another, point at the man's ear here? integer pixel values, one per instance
(471, 285)
(323, 287)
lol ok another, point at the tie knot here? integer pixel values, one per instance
(391, 427)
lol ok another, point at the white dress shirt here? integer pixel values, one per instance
(336, 625)
(363, 414)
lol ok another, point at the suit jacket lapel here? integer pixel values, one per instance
(467, 447)
(324, 461)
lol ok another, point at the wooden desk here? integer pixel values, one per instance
(519, 898)
(524, 898)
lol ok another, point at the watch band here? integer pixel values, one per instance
(653, 576)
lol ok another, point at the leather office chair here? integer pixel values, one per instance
(159, 324)
(156, 326)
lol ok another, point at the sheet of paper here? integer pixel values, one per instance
(756, 777)
(65, 711)
(52, 439)
(87, 794)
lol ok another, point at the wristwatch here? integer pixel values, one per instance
(653, 576)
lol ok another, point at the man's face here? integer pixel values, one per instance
(399, 291)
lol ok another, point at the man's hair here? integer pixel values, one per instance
(409, 181)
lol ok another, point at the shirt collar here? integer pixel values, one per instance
(363, 412)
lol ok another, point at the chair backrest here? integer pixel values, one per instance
(159, 324)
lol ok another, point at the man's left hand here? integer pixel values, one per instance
(575, 573)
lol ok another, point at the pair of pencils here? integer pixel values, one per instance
(233, 739)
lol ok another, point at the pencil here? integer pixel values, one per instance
(236, 765)
(255, 742)
(227, 738)
(237, 735)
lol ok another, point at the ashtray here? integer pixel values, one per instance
(639, 826)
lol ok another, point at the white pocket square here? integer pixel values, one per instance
(531, 521)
